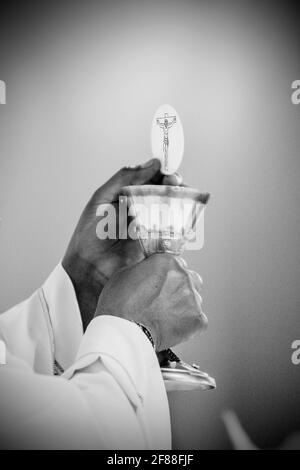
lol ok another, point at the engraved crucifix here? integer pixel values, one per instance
(165, 123)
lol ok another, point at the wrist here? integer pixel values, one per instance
(147, 333)
(153, 328)
(88, 284)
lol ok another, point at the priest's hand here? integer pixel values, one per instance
(91, 261)
(160, 293)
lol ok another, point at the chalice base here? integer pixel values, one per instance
(180, 376)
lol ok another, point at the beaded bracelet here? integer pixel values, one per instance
(147, 333)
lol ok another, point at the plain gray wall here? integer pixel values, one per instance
(83, 81)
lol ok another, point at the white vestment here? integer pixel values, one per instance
(111, 394)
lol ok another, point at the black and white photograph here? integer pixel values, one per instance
(150, 228)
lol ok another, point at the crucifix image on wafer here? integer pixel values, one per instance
(165, 123)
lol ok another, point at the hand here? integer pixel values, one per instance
(159, 292)
(89, 261)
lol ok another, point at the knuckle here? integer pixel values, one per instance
(172, 262)
(198, 277)
(204, 321)
(197, 301)
(201, 321)
(198, 312)
(181, 262)
(123, 171)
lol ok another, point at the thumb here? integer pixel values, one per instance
(127, 176)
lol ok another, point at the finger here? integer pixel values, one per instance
(172, 180)
(204, 197)
(182, 262)
(203, 321)
(168, 180)
(127, 176)
(197, 280)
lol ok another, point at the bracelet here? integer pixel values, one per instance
(147, 333)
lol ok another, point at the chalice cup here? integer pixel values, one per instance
(165, 220)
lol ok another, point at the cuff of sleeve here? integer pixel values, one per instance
(123, 348)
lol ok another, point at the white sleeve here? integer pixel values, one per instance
(132, 411)
(112, 397)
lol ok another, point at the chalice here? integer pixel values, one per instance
(165, 221)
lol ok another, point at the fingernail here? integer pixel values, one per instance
(132, 167)
(179, 177)
(204, 198)
(148, 163)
